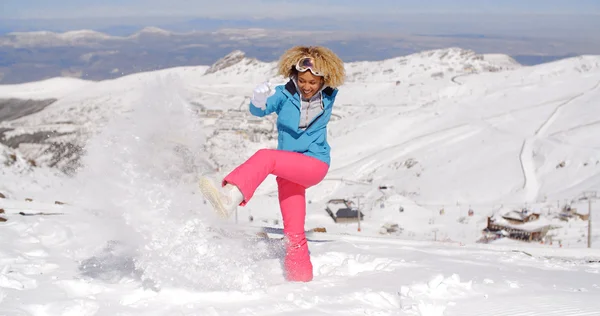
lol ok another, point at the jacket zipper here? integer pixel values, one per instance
(318, 116)
(307, 108)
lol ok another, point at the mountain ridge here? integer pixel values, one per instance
(412, 109)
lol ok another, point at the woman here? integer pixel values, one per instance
(301, 160)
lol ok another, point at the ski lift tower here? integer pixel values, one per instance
(589, 196)
(358, 212)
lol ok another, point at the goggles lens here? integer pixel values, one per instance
(307, 63)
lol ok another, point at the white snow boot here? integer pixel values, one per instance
(223, 199)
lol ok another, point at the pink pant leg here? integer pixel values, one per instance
(295, 167)
(293, 209)
(295, 172)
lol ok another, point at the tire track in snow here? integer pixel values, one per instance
(531, 185)
(575, 128)
(544, 127)
(530, 182)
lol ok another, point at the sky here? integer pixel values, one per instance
(25, 9)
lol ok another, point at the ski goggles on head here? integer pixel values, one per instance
(307, 63)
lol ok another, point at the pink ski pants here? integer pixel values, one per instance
(295, 173)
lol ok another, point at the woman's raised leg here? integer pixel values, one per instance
(295, 167)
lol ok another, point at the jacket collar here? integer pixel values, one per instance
(290, 86)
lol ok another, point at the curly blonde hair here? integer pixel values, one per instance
(326, 61)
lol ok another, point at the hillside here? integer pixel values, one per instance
(100, 213)
(443, 129)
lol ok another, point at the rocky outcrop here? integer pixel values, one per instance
(63, 155)
(48, 143)
(12, 109)
(227, 61)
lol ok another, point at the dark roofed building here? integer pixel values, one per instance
(347, 215)
(341, 211)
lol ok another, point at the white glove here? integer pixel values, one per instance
(260, 95)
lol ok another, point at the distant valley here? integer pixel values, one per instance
(91, 55)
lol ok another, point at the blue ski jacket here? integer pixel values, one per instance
(312, 140)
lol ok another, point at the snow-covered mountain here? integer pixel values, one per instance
(89, 37)
(46, 38)
(71, 38)
(93, 101)
(427, 145)
(444, 128)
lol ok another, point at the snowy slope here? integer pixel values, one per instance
(485, 133)
(50, 88)
(54, 267)
(504, 129)
(443, 129)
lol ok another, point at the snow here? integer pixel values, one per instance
(46, 89)
(151, 30)
(46, 38)
(245, 34)
(135, 236)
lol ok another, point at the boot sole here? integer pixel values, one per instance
(211, 193)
